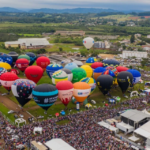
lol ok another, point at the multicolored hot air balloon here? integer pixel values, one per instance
(108, 72)
(59, 76)
(78, 74)
(96, 65)
(22, 90)
(14, 56)
(88, 42)
(88, 70)
(5, 65)
(91, 82)
(121, 68)
(34, 73)
(6, 58)
(104, 83)
(32, 58)
(7, 80)
(71, 66)
(69, 73)
(81, 91)
(50, 69)
(45, 95)
(65, 91)
(90, 61)
(98, 71)
(43, 62)
(2, 70)
(22, 64)
(110, 62)
(24, 57)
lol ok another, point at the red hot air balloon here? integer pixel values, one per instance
(22, 64)
(15, 71)
(7, 80)
(34, 73)
(43, 62)
(96, 65)
(121, 68)
(65, 91)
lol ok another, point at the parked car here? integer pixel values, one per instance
(40, 117)
(21, 115)
(11, 111)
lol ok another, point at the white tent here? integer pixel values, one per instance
(146, 112)
(133, 138)
(38, 129)
(20, 120)
(58, 144)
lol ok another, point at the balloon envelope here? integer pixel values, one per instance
(69, 73)
(5, 65)
(104, 83)
(34, 73)
(121, 68)
(98, 71)
(88, 42)
(78, 63)
(65, 91)
(90, 61)
(25, 57)
(14, 56)
(96, 65)
(2, 70)
(108, 72)
(32, 58)
(71, 66)
(110, 62)
(88, 70)
(22, 90)
(45, 95)
(6, 58)
(22, 64)
(15, 71)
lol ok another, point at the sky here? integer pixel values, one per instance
(62, 4)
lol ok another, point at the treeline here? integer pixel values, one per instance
(8, 37)
(108, 13)
(147, 40)
(144, 13)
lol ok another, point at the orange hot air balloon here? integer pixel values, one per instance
(81, 91)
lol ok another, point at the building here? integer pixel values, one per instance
(131, 120)
(99, 44)
(137, 54)
(130, 24)
(125, 42)
(146, 47)
(38, 146)
(137, 35)
(148, 36)
(66, 33)
(29, 43)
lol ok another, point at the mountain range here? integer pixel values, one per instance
(74, 10)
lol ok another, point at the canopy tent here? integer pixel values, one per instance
(58, 144)
(38, 129)
(133, 138)
(124, 127)
(146, 112)
(20, 120)
(147, 92)
(108, 126)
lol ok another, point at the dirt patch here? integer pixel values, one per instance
(104, 56)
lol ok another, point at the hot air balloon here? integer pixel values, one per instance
(2, 70)
(88, 42)
(7, 80)
(39, 55)
(125, 80)
(110, 62)
(24, 57)
(98, 71)
(136, 75)
(45, 95)
(69, 73)
(6, 58)
(43, 62)
(65, 91)
(14, 56)
(5, 65)
(96, 65)
(108, 72)
(88, 70)
(15, 71)
(81, 91)
(32, 58)
(104, 83)
(22, 90)
(50, 69)
(71, 66)
(34, 73)
(90, 61)
(78, 74)
(121, 68)
(22, 64)
(78, 63)
(91, 82)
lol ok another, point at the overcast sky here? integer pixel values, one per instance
(61, 4)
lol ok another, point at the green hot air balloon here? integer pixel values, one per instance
(24, 56)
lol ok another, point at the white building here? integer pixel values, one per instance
(101, 44)
(148, 36)
(137, 54)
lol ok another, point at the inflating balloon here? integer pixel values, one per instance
(136, 75)
(15, 71)
(110, 62)
(25, 57)
(45, 95)
(5, 65)
(125, 80)
(22, 64)
(78, 63)
(6, 58)
(88, 70)
(14, 56)
(22, 90)
(104, 83)
(71, 66)
(91, 82)
(7, 80)
(34, 73)
(69, 73)
(78, 74)
(65, 91)
(32, 58)
(81, 91)
(88, 42)
(121, 68)
(90, 61)
(43, 62)
(50, 69)
(59, 76)
(96, 65)
(98, 71)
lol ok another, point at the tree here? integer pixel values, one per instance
(144, 61)
(60, 49)
(132, 39)
(124, 47)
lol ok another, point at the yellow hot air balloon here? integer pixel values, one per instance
(5, 65)
(88, 70)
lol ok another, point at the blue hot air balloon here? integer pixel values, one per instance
(98, 71)
(90, 61)
(32, 58)
(6, 58)
(71, 66)
(50, 69)
(136, 75)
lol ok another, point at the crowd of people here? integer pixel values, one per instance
(82, 132)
